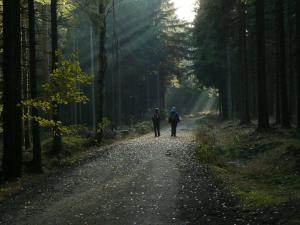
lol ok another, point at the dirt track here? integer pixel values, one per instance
(142, 181)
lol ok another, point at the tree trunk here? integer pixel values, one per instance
(119, 77)
(12, 113)
(281, 62)
(224, 44)
(93, 74)
(25, 85)
(54, 33)
(277, 101)
(102, 69)
(57, 139)
(36, 142)
(263, 113)
(245, 117)
(298, 60)
(224, 100)
(291, 77)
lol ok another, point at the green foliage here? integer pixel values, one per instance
(143, 127)
(61, 89)
(206, 151)
(104, 124)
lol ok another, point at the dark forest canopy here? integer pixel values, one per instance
(249, 50)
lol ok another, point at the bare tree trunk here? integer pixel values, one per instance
(93, 73)
(12, 113)
(298, 60)
(245, 117)
(263, 113)
(102, 68)
(291, 85)
(281, 62)
(277, 100)
(25, 84)
(57, 139)
(119, 77)
(37, 159)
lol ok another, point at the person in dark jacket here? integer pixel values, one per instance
(173, 120)
(156, 122)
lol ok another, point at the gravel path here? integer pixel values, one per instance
(144, 181)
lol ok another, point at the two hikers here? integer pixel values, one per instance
(173, 120)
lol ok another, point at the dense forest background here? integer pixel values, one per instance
(106, 64)
(249, 50)
(77, 66)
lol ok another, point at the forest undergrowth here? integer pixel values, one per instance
(262, 169)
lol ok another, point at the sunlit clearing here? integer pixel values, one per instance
(185, 9)
(205, 104)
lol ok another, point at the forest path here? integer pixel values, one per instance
(143, 181)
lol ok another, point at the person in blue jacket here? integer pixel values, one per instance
(173, 120)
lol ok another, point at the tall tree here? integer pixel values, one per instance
(223, 87)
(281, 62)
(57, 140)
(298, 60)
(12, 113)
(102, 67)
(33, 88)
(245, 115)
(263, 113)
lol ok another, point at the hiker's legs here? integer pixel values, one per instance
(155, 129)
(158, 129)
(173, 126)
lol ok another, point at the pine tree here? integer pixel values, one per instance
(263, 114)
(57, 140)
(102, 68)
(36, 142)
(298, 60)
(12, 113)
(281, 62)
(245, 117)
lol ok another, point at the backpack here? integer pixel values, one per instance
(174, 116)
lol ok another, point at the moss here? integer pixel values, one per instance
(261, 168)
(255, 199)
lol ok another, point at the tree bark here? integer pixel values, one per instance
(224, 102)
(245, 117)
(224, 44)
(277, 101)
(281, 62)
(25, 84)
(12, 113)
(57, 139)
(298, 60)
(36, 142)
(263, 112)
(54, 33)
(102, 69)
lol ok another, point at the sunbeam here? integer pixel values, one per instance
(185, 9)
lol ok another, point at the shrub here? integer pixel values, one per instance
(143, 127)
